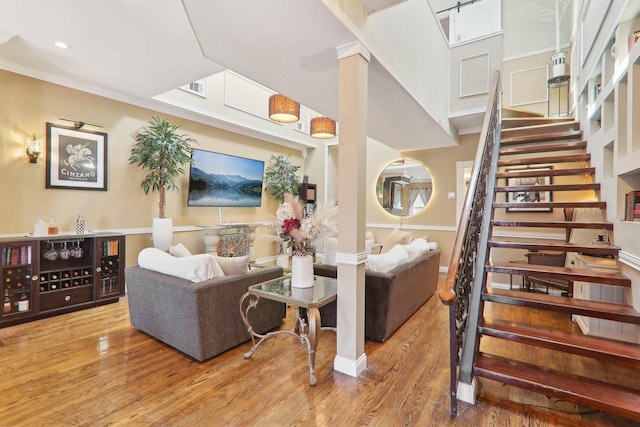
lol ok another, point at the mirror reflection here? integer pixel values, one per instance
(404, 187)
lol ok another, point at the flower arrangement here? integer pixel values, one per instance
(305, 232)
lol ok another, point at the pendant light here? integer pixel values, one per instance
(323, 128)
(283, 109)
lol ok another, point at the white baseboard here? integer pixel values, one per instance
(467, 392)
(350, 367)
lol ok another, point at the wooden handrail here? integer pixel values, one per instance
(447, 293)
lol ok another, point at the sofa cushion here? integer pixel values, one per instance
(196, 268)
(385, 262)
(233, 265)
(397, 237)
(179, 250)
(416, 248)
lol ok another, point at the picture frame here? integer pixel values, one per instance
(76, 159)
(529, 196)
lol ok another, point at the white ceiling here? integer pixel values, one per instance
(135, 50)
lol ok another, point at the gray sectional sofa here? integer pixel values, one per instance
(390, 298)
(200, 319)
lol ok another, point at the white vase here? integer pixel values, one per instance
(302, 271)
(162, 233)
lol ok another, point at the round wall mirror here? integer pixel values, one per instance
(404, 188)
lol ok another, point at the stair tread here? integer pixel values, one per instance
(586, 248)
(528, 205)
(518, 122)
(562, 158)
(506, 139)
(553, 224)
(595, 394)
(543, 147)
(598, 309)
(551, 187)
(564, 273)
(547, 172)
(569, 342)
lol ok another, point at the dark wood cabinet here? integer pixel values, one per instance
(48, 275)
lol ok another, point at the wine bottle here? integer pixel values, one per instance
(23, 302)
(6, 306)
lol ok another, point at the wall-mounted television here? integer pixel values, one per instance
(217, 179)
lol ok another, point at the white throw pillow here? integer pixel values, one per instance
(416, 248)
(369, 236)
(196, 268)
(433, 246)
(397, 237)
(233, 265)
(179, 250)
(383, 263)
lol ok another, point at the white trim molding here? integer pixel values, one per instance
(350, 367)
(470, 75)
(349, 258)
(629, 260)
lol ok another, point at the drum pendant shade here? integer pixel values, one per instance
(283, 109)
(323, 128)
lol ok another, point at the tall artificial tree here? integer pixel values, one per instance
(280, 177)
(161, 150)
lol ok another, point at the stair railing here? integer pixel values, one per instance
(466, 278)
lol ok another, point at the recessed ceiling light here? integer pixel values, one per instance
(61, 45)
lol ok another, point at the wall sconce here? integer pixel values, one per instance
(34, 149)
(323, 128)
(283, 109)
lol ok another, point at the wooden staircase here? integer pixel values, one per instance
(558, 144)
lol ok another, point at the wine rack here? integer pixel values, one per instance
(51, 275)
(17, 278)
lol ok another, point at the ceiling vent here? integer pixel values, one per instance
(198, 87)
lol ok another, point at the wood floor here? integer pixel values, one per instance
(92, 368)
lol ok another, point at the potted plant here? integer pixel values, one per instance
(161, 150)
(280, 177)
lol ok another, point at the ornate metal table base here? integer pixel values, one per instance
(308, 332)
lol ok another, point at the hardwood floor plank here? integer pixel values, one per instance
(91, 368)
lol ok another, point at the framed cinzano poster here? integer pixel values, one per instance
(76, 159)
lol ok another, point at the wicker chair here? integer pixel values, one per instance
(547, 258)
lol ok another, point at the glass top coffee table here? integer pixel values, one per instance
(308, 327)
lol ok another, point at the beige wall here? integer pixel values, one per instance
(26, 105)
(524, 84)
(438, 219)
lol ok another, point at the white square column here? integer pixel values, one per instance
(351, 254)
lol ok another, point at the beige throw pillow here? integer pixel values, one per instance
(397, 237)
(233, 265)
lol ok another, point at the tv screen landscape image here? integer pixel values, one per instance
(224, 180)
